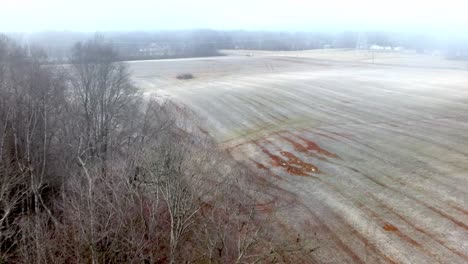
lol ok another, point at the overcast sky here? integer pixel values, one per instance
(295, 15)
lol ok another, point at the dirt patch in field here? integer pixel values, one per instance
(312, 146)
(291, 163)
(389, 227)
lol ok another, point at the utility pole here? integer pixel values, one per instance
(361, 43)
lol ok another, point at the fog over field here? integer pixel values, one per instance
(441, 17)
(286, 131)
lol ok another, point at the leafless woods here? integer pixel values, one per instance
(91, 172)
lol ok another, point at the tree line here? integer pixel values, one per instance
(203, 43)
(93, 172)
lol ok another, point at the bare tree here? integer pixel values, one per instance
(90, 172)
(103, 94)
(32, 97)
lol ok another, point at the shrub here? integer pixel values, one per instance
(185, 76)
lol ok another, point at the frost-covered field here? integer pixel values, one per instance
(369, 160)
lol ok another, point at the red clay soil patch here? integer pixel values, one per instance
(265, 168)
(390, 228)
(312, 146)
(293, 165)
(290, 162)
(298, 147)
(260, 165)
(292, 159)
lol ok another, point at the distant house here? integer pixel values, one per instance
(376, 47)
(155, 49)
(387, 48)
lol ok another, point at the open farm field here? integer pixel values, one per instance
(366, 154)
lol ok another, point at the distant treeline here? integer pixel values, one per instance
(204, 43)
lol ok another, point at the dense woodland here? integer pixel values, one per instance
(92, 172)
(201, 43)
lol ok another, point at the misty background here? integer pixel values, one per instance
(143, 29)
